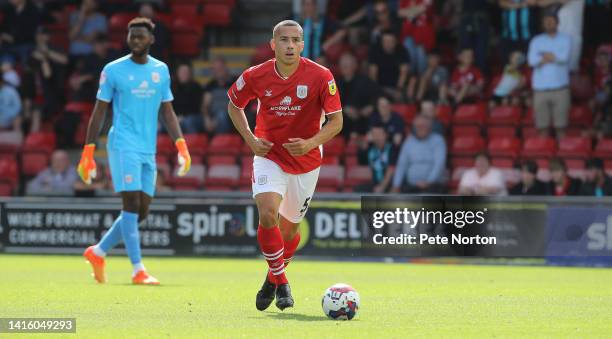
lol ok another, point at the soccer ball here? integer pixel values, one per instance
(340, 302)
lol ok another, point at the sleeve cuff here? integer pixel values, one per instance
(328, 113)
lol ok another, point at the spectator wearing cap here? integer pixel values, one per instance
(549, 55)
(597, 182)
(381, 156)
(483, 179)
(421, 161)
(562, 184)
(529, 184)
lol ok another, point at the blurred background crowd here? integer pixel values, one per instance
(475, 97)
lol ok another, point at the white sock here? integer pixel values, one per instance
(138, 267)
(99, 252)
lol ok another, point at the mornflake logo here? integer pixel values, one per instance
(143, 91)
(285, 108)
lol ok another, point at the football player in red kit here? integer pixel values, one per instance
(295, 96)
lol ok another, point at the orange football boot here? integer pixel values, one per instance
(97, 264)
(144, 278)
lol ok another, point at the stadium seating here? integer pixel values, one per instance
(334, 147)
(581, 87)
(471, 114)
(574, 147)
(467, 145)
(460, 131)
(539, 147)
(9, 176)
(331, 177)
(197, 143)
(444, 114)
(505, 116)
(193, 180)
(165, 145)
(580, 116)
(603, 149)
(225, 144)
(406, 111)
(221, 160)
(187, 32)
(504, 147)
(357, 175)
(217, 14)
(501, 131)
(351, 161)
(221, 176)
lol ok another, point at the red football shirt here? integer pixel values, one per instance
(421, 29)
(293, 107)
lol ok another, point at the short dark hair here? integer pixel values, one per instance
(594, 163)
(142, 22)
(531, 166)
(286, 23)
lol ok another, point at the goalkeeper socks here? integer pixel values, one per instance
(110, 239)
(289, 249)
(271, 245)
(137, 268)
(129, 230)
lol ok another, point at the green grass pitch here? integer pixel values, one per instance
(215, 298)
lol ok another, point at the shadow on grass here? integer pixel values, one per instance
(295, 316)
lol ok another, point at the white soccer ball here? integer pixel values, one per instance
(340, 302)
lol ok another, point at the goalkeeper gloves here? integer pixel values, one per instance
(184, 159)
(87, 165)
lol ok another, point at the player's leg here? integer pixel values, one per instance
(269, 185)
(145, 196)
(95, 254)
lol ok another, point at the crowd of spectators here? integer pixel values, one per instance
(423, 53)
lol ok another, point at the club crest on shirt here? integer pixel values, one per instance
(240, 83)
(302, 91)
(332, 87)
(128, 179)
(155, 77)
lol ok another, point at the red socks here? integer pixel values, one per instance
(289, 250)
(271, 245)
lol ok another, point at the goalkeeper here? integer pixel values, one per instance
(137, 85)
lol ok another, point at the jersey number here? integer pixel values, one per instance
(305, 206)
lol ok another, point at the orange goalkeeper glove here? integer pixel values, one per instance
(87, 165)
(184, 159)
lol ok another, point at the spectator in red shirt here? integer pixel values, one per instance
(467, 81)
(418, 34)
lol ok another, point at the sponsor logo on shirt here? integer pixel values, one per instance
(285, 108)
(143, 90)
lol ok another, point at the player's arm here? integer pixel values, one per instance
(169, 119)
(259, 146)
(297, 146)
(87, 165)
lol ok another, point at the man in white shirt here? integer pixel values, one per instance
(482, 179)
